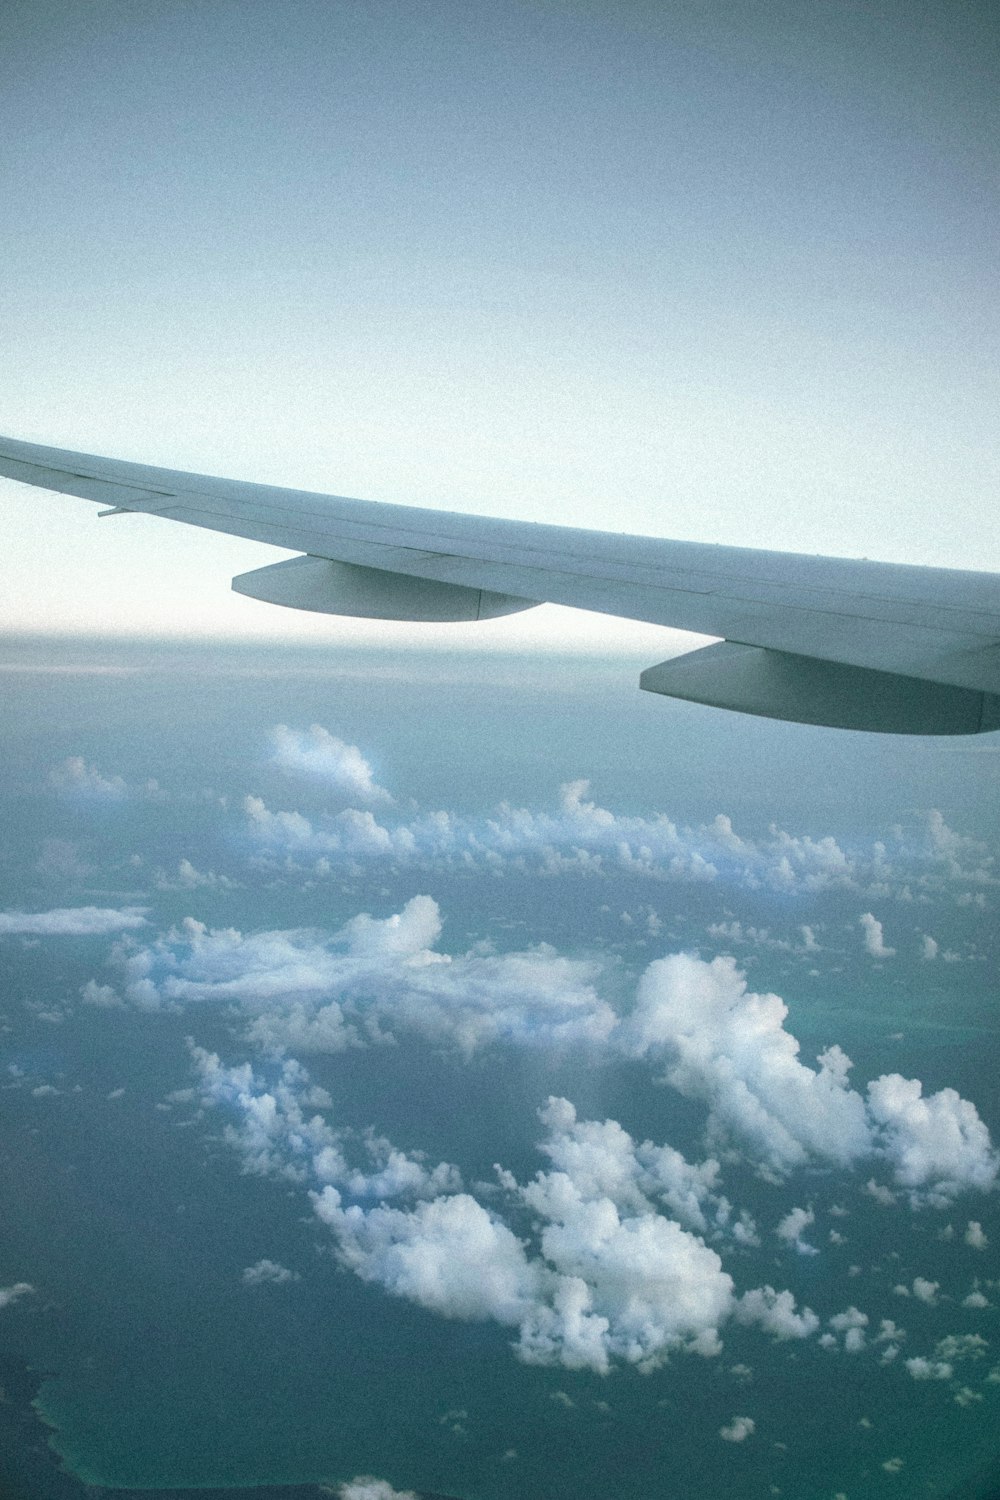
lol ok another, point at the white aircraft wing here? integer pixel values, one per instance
(855, 644)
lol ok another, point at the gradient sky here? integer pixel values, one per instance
(708, 270)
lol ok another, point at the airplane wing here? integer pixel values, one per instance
(818, 640)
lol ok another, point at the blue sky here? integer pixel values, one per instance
(724, 272)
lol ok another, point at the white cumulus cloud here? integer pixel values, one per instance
(937, 1143)
(852, 1324)
(279, 1129)
(318, 754)
(791, 1227)
(591, 1270)
(874, 938)
(696, 1022)
(604, 1277)
(580, 835)
(776, 1313)
(721, 1043)
(738, 1430)
(929, 1369)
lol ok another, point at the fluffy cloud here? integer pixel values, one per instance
(278, 1129)
(267, 1272)
(603, 1161)
(964, 859)
(874, 938)
(729, 1047)
(696, 1022)
(791, 1227)
(352, 834)
(449, 1254)
(611, 1278)
(188, 878)
(937, 1144)
(102, 995)
(73, 921)
(852, 1324)
(318, 754)
(303, 991)
(580, 835)
(958, 1346)
(929, 1369)
(604, 1285)
(975, 1236)
(738, 1430)
(776, 1313)
(609, 1255)
(590, 1271)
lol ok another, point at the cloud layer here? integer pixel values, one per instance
(581, 835)
(73, 921)
(695, 1022)
(602, 1259)
(308, 992)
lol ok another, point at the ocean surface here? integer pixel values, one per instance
(132, 1209)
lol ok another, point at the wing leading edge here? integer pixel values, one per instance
(854, 644)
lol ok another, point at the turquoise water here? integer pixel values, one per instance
(129, 1214)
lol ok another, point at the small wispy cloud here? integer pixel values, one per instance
(738, 1430)
(73, 921)
(76, 776)
(11, 1294)
(268, 1272)
(364, 1487)
(320, 755)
